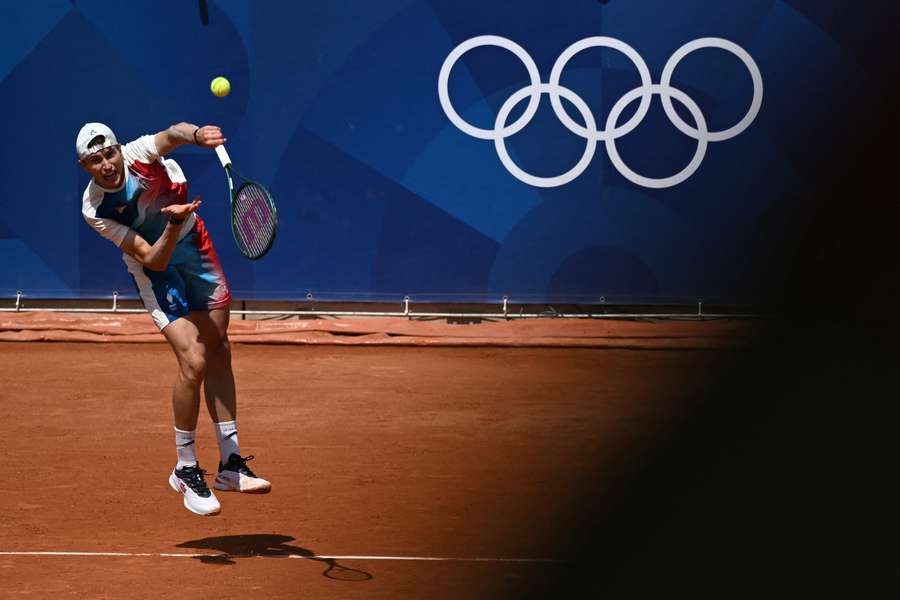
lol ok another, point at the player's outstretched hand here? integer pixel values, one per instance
(181, 211)
(209, 136)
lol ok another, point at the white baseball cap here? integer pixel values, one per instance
(88, 134)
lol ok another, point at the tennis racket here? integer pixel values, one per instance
(254, 220)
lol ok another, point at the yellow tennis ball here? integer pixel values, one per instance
(220, 87)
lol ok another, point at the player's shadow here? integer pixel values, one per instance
(267, 545)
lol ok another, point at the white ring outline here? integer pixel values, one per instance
(664, 182)
(589, 150)
(444, 92)
(601, 42)
(728, 46)
(590, 133)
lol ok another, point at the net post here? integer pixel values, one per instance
(115, 306)
(700, 308)
(18, 300)
(506, 307)
(406, 306)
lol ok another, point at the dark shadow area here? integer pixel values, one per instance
(268, 545)
(781, 481)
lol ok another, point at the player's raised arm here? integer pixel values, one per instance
(208, 136)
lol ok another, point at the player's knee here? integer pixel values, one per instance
(193, 366)
(226, 351)
(218, 355)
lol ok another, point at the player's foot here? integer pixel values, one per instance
(236, 476)
(198, 498)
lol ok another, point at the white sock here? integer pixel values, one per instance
(184, 445)
(227, 436)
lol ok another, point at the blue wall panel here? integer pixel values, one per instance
(335, 105)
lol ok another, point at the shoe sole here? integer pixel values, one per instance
(224, 486)
(174, 485)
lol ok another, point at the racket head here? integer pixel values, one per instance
(254, 220)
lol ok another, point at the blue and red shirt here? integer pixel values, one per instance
(151, 183)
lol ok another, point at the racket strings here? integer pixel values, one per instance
(254, 220)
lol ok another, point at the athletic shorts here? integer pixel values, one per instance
(193, 280)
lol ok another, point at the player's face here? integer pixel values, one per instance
(106, 166)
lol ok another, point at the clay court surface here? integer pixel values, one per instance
(381, 453)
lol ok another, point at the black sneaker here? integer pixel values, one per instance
(236, 476)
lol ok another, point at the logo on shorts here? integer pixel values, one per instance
(173, 297)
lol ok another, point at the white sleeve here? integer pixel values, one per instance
(142, 150)
(108, 228)
(111, 230)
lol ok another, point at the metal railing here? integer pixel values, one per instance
(602, 312)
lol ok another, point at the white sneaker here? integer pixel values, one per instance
(236, 476)
(198, 498)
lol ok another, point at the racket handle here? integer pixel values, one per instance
(223, 156)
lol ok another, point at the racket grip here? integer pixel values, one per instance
(223, 156)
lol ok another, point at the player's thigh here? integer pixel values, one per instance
(212, 325)
(186, 341)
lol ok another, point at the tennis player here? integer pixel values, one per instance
(138, 200)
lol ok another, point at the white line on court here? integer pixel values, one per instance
(301, 556)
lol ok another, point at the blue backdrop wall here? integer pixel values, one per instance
(382, 193)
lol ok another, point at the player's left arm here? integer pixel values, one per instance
(208, 136)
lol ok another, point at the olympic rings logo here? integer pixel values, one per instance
(613, 130)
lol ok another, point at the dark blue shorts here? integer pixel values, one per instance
(194, 279)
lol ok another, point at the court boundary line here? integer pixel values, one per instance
(282, 555)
